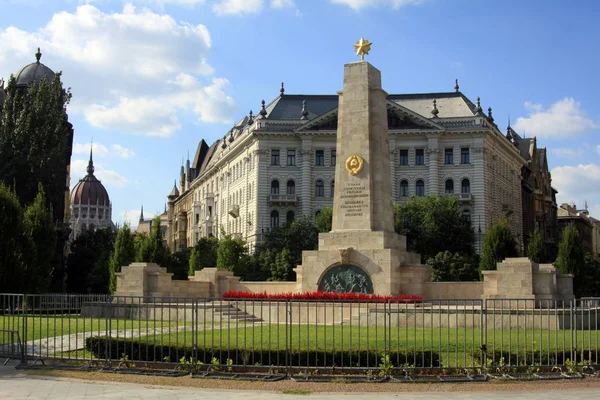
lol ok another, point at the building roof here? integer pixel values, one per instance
(90, 190)
(33, 72)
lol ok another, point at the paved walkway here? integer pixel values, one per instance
(16, 387)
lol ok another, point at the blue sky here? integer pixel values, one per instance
(150, 78)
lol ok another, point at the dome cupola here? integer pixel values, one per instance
(34, 72)
(90, 190)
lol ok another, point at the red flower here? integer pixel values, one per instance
(329, 296)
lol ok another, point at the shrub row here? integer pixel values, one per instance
(138, 350)
(535, 357)
(325, 296)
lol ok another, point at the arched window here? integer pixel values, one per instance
(420, 188)
(275, 187)
(403, 188)
(289, 218)
(332, 187)
(465, 186)
(319, 189)
(467, 214)
(449, 186)
(274, 219)
(291, 187)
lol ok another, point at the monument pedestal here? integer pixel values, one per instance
(380, 257)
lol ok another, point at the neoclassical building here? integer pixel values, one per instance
(91, 208)
(279, 165)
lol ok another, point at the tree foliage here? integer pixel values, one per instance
(571, 257)
(12, 251)
(203, 255)
(535, 247)
(498, 244)
(123, 254)
(41, 239)
(434, 224)
(89, 264)
(454, 267)
(324, 220)
(230, 254)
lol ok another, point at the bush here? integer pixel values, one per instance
(140, 350)
(325, 296)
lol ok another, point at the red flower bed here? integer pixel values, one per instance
(403, 298)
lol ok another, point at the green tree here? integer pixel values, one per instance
(454, 267)
(281, 268)
(591, 280)
(156, 247)
(324, 220)
(498, 244)
(535, 247)
(141, 245)
(230, 254)
(122, 255)
(434, 224)
(88, 264)
(11, 241)
(203, 255)
(178, 264)
(40, 234)
(571, 257)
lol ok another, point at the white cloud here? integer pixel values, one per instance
(563, 119)
(237, 7)
(564, 152)
(578, 184)
(108, 177)
(116, 61)
(157, 116)
(394, 4)
(282, 3)
(100, 150)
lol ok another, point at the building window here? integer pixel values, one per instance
(448, 156)
(332, 188)
(320, 157)
(319, 189)
(449, 186)
(333, 157)
(465, 186)
(420, 188)
(274, 219)
(275, 187)
(467, 214)
(289, 218)
(404, 157)
(291, 187)
(291, 157)
(420, 157)
(465, 157)
(274, 157)
(403, 188)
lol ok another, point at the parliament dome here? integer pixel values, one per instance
(90, 190)
(34, 72)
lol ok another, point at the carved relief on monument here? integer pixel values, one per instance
(346, 278)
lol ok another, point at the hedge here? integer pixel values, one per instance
(138, 350)
(535, 357)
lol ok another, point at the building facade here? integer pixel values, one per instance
(538, 196)
(280, 165)
(569, 214)
(91, 208)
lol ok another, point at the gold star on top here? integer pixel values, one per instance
(362, 47)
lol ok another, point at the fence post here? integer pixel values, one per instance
(484, 326)
(24, 306)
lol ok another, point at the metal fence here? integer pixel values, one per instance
(248, 334)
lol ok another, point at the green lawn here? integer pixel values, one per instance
(48, 326)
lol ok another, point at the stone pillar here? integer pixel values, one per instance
(434, 166)
(363, 198)
(306, 193)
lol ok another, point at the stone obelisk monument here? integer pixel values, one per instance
(362, 253)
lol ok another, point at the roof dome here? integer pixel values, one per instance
(34, 72)
(90, 190)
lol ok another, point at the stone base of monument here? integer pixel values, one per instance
(363, 262)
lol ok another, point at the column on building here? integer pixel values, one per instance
(394, 168)
(434, 166)
(306, 194)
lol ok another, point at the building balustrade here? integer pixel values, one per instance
(285, 199)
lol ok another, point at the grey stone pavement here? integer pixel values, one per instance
(28, 387)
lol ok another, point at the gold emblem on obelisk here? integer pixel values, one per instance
(362, 47)
(354, 164)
